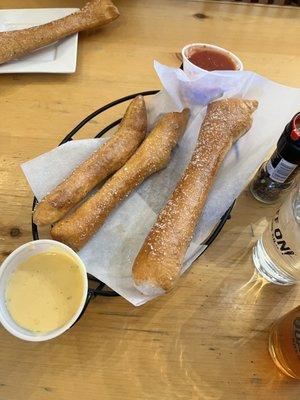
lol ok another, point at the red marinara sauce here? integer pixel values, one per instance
(211, 59)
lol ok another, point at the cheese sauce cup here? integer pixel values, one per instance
(43, 290)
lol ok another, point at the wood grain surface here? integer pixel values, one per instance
(208, 339)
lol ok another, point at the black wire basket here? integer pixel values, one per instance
(100, 288)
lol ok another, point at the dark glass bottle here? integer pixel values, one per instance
(277, 175)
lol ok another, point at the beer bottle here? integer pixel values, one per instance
(277, 175)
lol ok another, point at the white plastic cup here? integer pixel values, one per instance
(10, 265)
(192, 70)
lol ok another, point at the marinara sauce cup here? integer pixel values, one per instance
(213, 58)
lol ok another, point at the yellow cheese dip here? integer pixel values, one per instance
(45, 291)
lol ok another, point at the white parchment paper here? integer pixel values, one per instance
(109, 255)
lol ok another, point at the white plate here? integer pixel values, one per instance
(59, 57)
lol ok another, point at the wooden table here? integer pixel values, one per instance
(207, 339)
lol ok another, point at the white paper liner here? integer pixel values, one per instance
(109, 255)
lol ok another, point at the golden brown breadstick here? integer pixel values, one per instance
(15, 44)
(153, 155)
(158, 264)
(102, 163)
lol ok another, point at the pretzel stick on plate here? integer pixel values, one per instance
(153, 155)
(17, 43)
(101, 164)
(158, 264)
